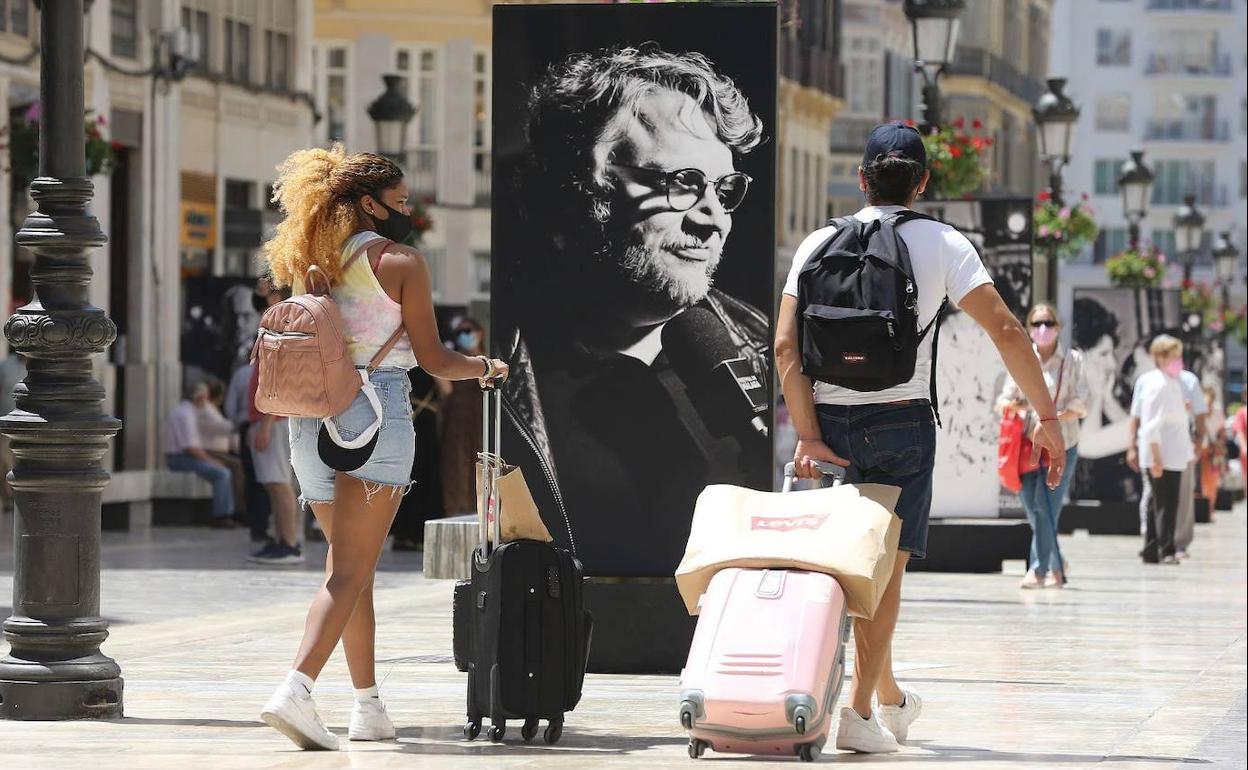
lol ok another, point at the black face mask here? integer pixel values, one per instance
(396, 227)
(259, 302)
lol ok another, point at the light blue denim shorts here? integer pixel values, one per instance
(391, 462)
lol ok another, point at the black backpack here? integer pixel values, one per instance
(857, 306)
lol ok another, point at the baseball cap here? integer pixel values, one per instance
(896, 140)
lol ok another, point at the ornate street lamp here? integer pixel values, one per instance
(54, 668)
(1135, 181)
(1225, 260)
(934, 33)
(1189, 233)
(1055, 116)
(391, 112)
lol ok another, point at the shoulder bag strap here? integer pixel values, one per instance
(386, 348)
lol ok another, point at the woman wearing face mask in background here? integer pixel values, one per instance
(461, 427)
(1165, 445)
(1064, 373)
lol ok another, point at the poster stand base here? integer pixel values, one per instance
(1100, 518)
(972, 545)
(640, 626)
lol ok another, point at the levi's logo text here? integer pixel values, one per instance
(788, 523)
(854, 358)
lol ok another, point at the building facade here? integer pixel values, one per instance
(1167, 77)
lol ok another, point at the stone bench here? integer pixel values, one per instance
(448, 547)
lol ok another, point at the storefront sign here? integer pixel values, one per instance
(198, 225)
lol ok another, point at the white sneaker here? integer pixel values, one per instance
(295, 717)
(897, 719)
(865, 736)
(370, 722)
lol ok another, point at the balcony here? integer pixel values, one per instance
(1198, 6)
(977, 62)
(813, 67)
(1187, 131)
(849, 134)
(1208, 195)
(1178, 65)
(421, 166)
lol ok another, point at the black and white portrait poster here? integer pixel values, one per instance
(1113, 327)
(633, 247)
(969, 372)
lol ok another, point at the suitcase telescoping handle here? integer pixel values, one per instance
(837, 473)
(491, 462)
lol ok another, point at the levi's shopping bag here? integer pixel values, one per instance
(521, 519)
(848, 531)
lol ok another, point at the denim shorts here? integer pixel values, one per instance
(888, 444)
(391, 461)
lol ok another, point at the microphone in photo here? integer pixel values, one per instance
(729, 397)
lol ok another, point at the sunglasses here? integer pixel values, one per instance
(686, 186)
(1038, 324)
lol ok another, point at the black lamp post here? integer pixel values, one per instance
(1135, 182)
(391, 112)
(934, 32)
(1055, 116)
(54, 668)
(1225, 260)
(1189, 233)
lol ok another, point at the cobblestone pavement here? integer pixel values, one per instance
(1128, 667)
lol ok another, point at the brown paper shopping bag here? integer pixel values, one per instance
(848, 531)
(521, 519)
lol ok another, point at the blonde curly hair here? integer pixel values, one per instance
(318, 191)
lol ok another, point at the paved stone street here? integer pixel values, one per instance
(1129, 667)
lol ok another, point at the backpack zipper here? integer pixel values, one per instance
(289, 335)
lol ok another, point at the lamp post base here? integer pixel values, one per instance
(51, 700)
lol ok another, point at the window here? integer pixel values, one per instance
(1187, 51)
(1113, 47)
(336, 93)
(237, 51)
(277, 60)
(1176, 178)
(481, 271)
(125, 28)
(1113, 112)
(1109, 241)
(237, 194)
(196, 23)
(864, 81)
(19, 17)
(481, 100)
(1163, 240)
(1105, 176)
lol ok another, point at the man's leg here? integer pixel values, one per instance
(1185, 520)
(873, 648)
(1166, 490)
(1146, 501)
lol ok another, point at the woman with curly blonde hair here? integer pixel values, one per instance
(346, 215)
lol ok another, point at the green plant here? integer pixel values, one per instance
(1137, 269)
(23, 146)
(955, 158)
(1221, 319)
(1065, 230)
(1197, 298)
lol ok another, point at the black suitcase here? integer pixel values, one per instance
(520, 627)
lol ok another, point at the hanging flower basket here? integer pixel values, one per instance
(1137, 269)
(956, 158)
(1065, 230)
(23, 146)
(421, 221)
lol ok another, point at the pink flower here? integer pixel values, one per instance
(1064, 213)
(33, 112)
(1161, 258)
(1150, 272)
(101, 121)
(1044, 231)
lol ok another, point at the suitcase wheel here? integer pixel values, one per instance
(529, 730)
(697, 748)
(554, 729)
(808, 752)
(497, 731)
(799, 723)
(472, 729)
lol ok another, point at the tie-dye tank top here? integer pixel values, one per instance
(369, 316)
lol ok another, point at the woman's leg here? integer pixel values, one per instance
(353, 553)
(285, 513)
(1036, 506)
(358, 638)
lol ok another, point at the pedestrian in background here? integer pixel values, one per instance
(238, 410)
(461, 427)
(1213, 453)
(185, 451)
(424, 500)
(217, 433)
(1164, 447)
(1064, 375)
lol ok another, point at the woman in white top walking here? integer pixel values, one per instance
(1165, 445)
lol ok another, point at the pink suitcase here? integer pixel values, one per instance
(767, 662)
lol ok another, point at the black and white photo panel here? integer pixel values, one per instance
(632, 264)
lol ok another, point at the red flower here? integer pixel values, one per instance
(989, 141)
(976, 124)
(955, 152)
(909, 122)
(1044, 195)
(959, 123)
(978, 142)
(115, 145)
(1084, 196)
(1187, 283)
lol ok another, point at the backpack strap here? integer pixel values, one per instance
(935, 322)
(385, 349)
(362, 251)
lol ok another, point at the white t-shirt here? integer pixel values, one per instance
(944, 263)
(1159, 403)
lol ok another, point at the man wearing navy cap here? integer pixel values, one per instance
(889, 436)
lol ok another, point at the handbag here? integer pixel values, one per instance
(1009, 448)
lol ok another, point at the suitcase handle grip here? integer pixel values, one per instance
(491, 461)
(837, 472)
